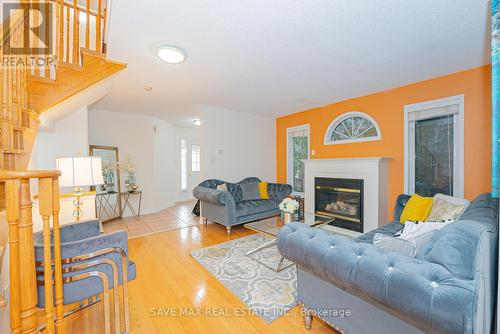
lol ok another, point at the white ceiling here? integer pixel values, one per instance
(275, 57)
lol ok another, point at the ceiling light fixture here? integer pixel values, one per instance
(197, 122)
(171, 54)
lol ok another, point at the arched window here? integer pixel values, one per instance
(352, 127)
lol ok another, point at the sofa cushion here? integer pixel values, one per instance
(245, 208)
(456, 249)
(456, 246)
(235, 191)
(250, 191)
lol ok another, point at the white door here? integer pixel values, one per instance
(194, 166)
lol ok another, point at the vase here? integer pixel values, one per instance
(288, 217)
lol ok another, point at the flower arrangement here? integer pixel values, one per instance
(289, 205)
(128, 165)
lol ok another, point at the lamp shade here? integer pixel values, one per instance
(80, 171)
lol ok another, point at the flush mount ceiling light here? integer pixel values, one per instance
(196, 122)
(171, 54)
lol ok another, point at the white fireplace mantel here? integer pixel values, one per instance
(373, 171)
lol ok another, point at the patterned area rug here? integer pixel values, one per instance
(268, 293)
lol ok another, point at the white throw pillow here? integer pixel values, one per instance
(446, 207)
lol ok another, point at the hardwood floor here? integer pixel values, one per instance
(169, 279)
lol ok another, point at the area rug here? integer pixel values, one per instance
(269, 294)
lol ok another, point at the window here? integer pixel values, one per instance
(352, 127)
(195, 158)
(297, 150)
(183, 165)
(434, 147)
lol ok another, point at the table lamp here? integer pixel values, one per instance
(78, 172)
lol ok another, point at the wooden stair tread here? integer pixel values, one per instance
(71, 79)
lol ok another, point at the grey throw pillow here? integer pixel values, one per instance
(388, 244)
(412, 247)
(250, 191)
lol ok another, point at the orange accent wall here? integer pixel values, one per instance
(387, 109)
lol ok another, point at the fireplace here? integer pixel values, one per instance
(341, 200)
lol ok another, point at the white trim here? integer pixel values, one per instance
(459, 138)
(293, 129)
(345, 116)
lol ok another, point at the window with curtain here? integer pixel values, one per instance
(434, 156)
(435, 150)
(298, 150)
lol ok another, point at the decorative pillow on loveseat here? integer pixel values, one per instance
(446, 207)
(417, 208)
(250, 191)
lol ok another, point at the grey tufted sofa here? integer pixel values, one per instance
(450, 288)
(228, 207)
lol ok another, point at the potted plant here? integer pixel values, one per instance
(288, 206)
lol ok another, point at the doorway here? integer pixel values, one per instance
(190, 152)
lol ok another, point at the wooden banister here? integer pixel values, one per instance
(23, 283)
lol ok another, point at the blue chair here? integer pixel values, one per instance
(93, 263)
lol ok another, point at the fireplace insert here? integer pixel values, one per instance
(341, 200)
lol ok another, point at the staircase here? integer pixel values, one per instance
(79, 40)
(71, 79)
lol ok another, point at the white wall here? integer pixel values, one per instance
(236, 145)
(152, 152)
(69, 137)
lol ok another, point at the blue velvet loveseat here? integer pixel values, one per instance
(228, 207)
(449, 288)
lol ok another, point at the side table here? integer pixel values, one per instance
(125, 199)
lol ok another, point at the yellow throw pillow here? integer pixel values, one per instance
(417, 208)
(263, 190)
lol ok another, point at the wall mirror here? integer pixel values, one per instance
(108, 199)
(110, 171)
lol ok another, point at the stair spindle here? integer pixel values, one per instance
(61, 329)
(76, 32)
(45, 195)
(60, 22)
(12, 188)
(98, 26)
(87, 27)
(68, 19)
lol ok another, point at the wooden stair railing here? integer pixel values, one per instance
(23, 282)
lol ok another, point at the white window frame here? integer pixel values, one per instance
(328, 134)
(183, 164)
(458, 131)
(289, 152)
(195, 163)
